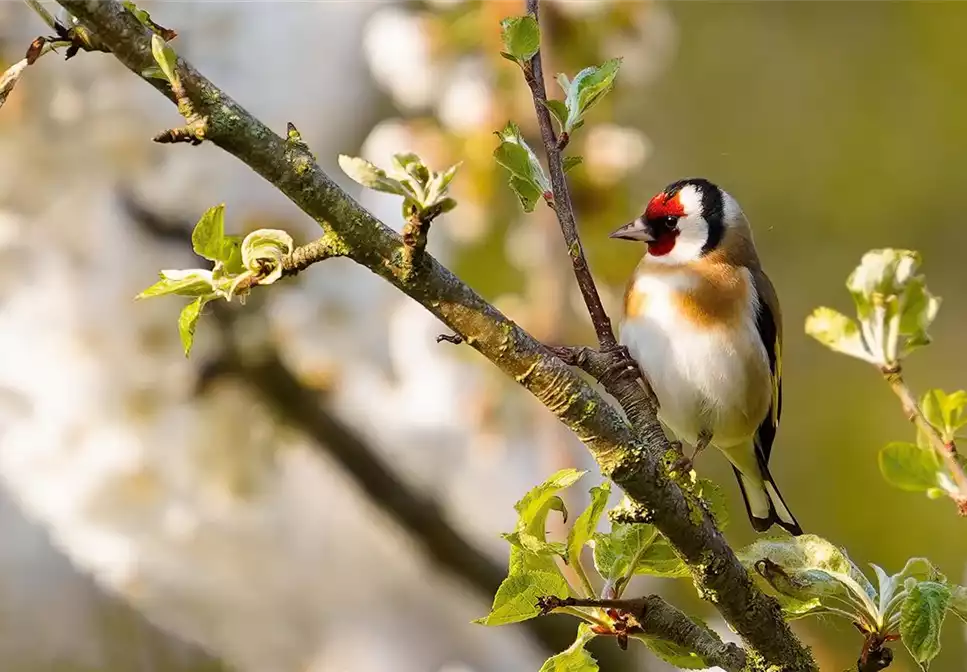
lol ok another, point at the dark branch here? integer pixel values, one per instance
(633, 459)
(654, 617)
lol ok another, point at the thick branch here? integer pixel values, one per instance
(632, 459)
(947, 452)
(654, 617)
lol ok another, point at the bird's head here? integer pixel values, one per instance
(685, 221)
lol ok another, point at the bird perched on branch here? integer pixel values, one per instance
(702, 320)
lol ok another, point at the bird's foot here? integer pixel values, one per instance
(569, 354)
(622, 365)
(686, 463)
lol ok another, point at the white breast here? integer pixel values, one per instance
(716, 379)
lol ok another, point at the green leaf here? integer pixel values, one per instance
(517, 597)
(840, 333)
(208, 236)
(892, 302)
(883, 272)
(521, 36)
(153, 72)
(193, 282)
(447, 204)
(660, 559)
(587, 88)
(584, 527)
(438, 185)
(146, 21)
(534, 507)
(922, 618)
(187, 321)
(615, 552)
(165, 57)
(527, 177)
(526, 193)
(558, 110)
(916, 569)
(810, 571)
(572, 161)
(918, 310)
(910, 467)
(263, 251)
(575, 658)
(368, 175)
(945, 411)
(673, 654)
(958, 602)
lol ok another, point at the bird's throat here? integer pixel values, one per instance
(664, 244)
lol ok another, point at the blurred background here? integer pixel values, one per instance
(321, 486)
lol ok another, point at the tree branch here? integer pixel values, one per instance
(654, 617)
(634, 460)
(946, 452)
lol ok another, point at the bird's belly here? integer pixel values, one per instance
(714, 380)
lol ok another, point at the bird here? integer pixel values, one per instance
(702, 321)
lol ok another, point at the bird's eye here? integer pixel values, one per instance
(667, 223)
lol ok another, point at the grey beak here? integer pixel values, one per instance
(636, 230)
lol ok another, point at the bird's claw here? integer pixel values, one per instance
(623, 365)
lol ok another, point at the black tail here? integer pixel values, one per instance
(770, 493)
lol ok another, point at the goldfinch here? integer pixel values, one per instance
(702, 320)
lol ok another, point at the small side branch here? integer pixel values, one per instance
(534, 74)
(304, 256)
(415, 233)
(634, 397)
(946, 451)
(652, 616)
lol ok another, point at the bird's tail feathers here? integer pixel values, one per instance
(763, 502)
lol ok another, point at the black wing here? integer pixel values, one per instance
(770, 331)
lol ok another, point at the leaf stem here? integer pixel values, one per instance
(585, 580)
(946, 451)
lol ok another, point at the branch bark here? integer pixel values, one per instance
(653, 617)
(634, 460)
(946, 451)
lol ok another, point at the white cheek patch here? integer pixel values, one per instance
(689, 243)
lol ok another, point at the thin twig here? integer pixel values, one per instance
(614, 367)
(946, 451)
(534, 75)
